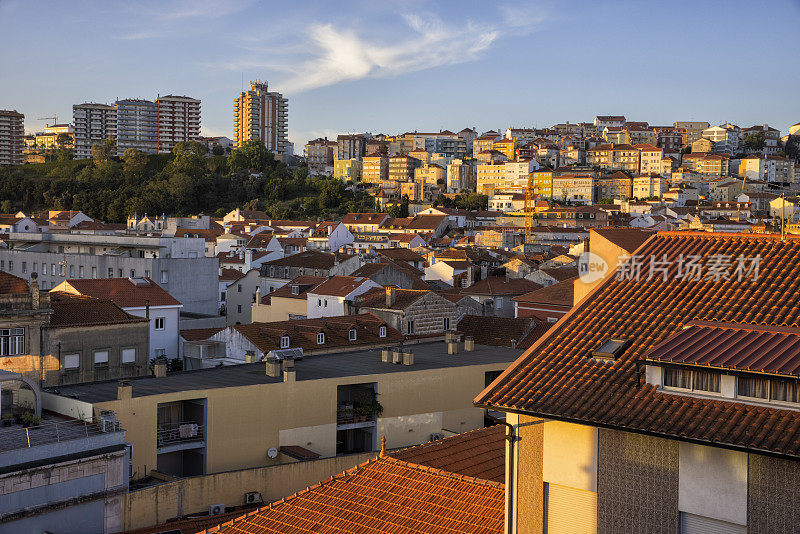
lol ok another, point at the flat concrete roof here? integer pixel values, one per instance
(366, 362)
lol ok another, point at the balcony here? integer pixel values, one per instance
(178, 433)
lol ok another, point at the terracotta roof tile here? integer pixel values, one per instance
(480, 454)
(10, 284)
(558, 294)
(124, 292)
(496, 331)
(497, 285)
(558, 379)
(383, 496)
(339, 286)
(76, 310)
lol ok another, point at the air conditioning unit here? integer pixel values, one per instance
(252, 497)
(216, 509)
(436, 436)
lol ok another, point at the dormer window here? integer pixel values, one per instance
(321, 338)
(285, 342)
(295, 290)
(352, 335)
(382, 331)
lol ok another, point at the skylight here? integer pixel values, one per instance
(611, 348)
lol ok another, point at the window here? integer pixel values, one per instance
(382, 331)
(285, 342)
(111, 272)
(319, 302)
(238, 288)
(238, 308)
(222, 296)
(677, 378)
(120, 274)
(94, 272)
(35, 267)
(159, 323)
(752, 387)
(785, 391)
(80, 271)
(706, 381)
(286, 272)
(295, 290)
(133, 273)
(325, 303)
(101, 357)
(410, 327)
(352, 334)
(164, 277)
(12, 341)
(161, 352)
(128, 355)
(147, 273)
(72, 361)
(446, 322)
(320, 338)
(10, 265)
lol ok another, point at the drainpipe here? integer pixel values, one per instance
(511, 438)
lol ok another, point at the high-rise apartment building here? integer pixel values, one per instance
(12, 132)
(350, 146)
(137, 126)
(261, 114)
(178, 120)
(93, 124)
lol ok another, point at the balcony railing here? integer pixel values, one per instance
(47, 433)
(170, 433)
(348, 414)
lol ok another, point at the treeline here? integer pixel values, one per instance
(183, 183)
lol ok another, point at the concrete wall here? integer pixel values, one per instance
(193, 281)
(637, 483)
(526, 506)
(243, 298)
(85, 341)
(157, 504)
(244, 422)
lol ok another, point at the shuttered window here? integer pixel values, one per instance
(569, 510)
(697, 524)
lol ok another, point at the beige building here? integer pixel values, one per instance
(490, 178)
(694, 130)
(430, 174)
(461, 174)
(375, 168)
(240, 416)
(286, 302)
(319, 155)
(261, 114)
(12, 132)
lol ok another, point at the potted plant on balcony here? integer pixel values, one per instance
(367, 406)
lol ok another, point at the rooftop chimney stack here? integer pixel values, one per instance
(160, 369)
(390, 296)
(452, 347)
(469, 344)
(124, 390)
(274, 367)
(408, 357)
(250, 356)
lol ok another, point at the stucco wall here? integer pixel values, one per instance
(569, 454)
(713, 483)
(529, 487)
(156, 504)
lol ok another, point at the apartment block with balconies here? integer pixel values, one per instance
(93, 124)
(12, 132)
(178, 121)
(137, 126)
(261, 114)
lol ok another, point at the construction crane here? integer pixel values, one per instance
(53, 118)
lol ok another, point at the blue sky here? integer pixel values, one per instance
(397, 66)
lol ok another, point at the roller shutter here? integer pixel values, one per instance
(570, 510)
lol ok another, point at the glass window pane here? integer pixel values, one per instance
(752, 387)
(706, 381)
(677, 378)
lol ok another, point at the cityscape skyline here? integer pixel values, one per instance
(351, 70)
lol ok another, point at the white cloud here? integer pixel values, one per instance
(332, 53)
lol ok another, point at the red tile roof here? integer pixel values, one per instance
(498, 331)
(403, 298)
(122, 291)
(383, 496)
(10, 284)
(628, 239)
(742, 347)
(480, 454)
(339, 286)
(558, 294)
(497, 285)
(76, 310)
(304, 284)
(557, 378)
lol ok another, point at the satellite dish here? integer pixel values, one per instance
(272, 452)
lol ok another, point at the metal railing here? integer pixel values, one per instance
(346, 414)
(169, 433)
(44, 434)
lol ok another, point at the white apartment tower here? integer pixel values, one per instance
(93, 124)
(178, 120)
(261, 114)
(12, 132)
(137, 126)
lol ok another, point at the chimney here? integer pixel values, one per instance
(124, 390)
(34, 289)
(386, 356)
(274, 367)
(390, 296)
(288, 364)
(160, 369)
(469, 344)
(250, 356)
(289, 375)
(452, 347)
(408, 357)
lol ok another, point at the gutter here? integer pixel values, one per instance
(511, 438)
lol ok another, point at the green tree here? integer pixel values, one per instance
(63, 140)
(133, 160)
(754, 141)
(253, 156)
(401, 209)
(103, 153)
